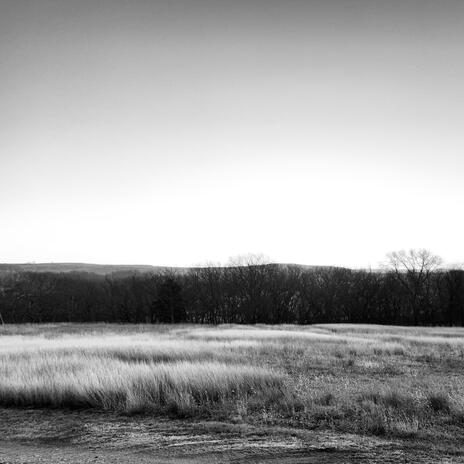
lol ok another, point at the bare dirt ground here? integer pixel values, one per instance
(65, 437)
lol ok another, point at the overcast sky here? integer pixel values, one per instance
(179, 132)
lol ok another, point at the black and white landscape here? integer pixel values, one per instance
(319, 144)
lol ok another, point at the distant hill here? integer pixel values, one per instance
(101, 269)
(105, 269)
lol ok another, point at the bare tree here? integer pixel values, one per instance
(248, 279)
(414, 269)
(453, 292)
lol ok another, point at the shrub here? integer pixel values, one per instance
(438, 402)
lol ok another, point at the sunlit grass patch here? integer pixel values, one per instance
(248, 333)
(128, 348)
(81, 381)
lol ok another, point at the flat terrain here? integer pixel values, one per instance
(43, 436)
(331, 393)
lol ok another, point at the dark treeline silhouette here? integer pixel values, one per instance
(410, 290)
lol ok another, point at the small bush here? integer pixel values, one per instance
(398, 351)
(325, 400)
(438, 402)
(348, 362)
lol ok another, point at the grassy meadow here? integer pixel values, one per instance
(371, 380)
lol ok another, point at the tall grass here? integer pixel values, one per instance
(127, 372)
(362, 379)
(86, 381)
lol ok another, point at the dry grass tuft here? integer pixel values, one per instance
(81, 381)
(439, 402)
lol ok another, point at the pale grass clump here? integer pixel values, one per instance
(127, 348)
(81, 381)
(249, 333)
(390, 330)
(128, 372)
(360, 343)
(14, 343)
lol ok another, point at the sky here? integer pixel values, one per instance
(182, 132)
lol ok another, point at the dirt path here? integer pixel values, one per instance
(43, 436)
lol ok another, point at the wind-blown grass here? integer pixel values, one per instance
(393, 381)
(127, 373)
(87, 381)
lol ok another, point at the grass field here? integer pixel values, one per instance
(367, 380)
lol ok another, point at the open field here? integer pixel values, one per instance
(401, 387)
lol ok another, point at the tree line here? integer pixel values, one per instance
(412, 289)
